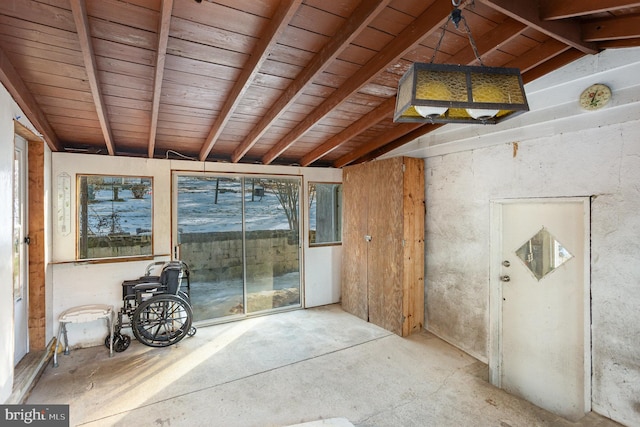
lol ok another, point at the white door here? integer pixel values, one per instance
(20, 282)
(542, 286)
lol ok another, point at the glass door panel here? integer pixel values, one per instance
(272, 243)
(209, 233)
(240, 236)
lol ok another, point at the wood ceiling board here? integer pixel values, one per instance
(118, 33)
(372, 38)
(290, 56)
(149, 4)
(357, 55)
(136, 55)
(124, 13)
(139, 130)
(212, 36)
(553, 63)
(379, 90)
(394, 21)
(376, 143)
(138, 118)
(553, 9)
(627, 27)
(56, 120)
(39, 13)
(57, 92)
(61, 103)
(567, 32)
(130, 82)
(127, 103)
(223, 17)
(271, 81)
(126, 92)
(80, 114)
(124, 68)
(538, 55)
(28, 63)
(315, 20)
(179, 79)
(281, 69)
(53, 80)
(614, 44)
(37, 33)
(297, 38)
(178, 111)
(11, 44)
(199, 68)
(201, 52)
(177, 121)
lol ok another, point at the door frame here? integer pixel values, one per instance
(21, 146)
(302, 212)
(495, 287)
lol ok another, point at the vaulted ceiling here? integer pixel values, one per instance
(306, 82)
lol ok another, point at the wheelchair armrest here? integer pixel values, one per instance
(148, 286)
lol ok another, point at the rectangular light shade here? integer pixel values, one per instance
(444, 93)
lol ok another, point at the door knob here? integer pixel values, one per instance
(505, 278)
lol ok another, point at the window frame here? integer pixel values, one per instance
(78, 205)
(338, 215)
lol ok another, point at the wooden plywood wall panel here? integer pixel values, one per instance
(385, 247)
(37, 307)
(413, 257)
(354, 228)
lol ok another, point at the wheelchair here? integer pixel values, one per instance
(157, 309)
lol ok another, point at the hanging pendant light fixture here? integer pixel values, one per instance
(447, 93)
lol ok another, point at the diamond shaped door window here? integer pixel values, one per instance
(543, 253)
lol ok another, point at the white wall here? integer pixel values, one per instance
(77, 283)
(561, 152)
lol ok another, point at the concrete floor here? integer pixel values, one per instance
(320, 365)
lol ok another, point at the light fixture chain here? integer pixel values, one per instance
(444, 29)
(472, 41)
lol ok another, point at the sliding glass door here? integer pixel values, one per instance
(240, 236)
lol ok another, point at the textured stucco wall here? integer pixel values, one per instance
(603, 162)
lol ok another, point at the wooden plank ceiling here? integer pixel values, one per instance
(307, 82)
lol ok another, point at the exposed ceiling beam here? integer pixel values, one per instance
(163, 40)
(537, 55)
(405, 139)
(615, 44)
(381, 112)
(623, 27)
(27, 103)
(360, 19)
(526, 11)
(552, 64)
(380, 141)
(429, 22)
(276, 27)
(554, 9)
(79, 9)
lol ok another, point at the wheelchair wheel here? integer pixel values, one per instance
(162, 320)
(120, 342)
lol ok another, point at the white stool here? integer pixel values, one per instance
(81, 314)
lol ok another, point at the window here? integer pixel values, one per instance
(114, 216)
(325, 213)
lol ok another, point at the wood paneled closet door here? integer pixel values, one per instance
(383, 243)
